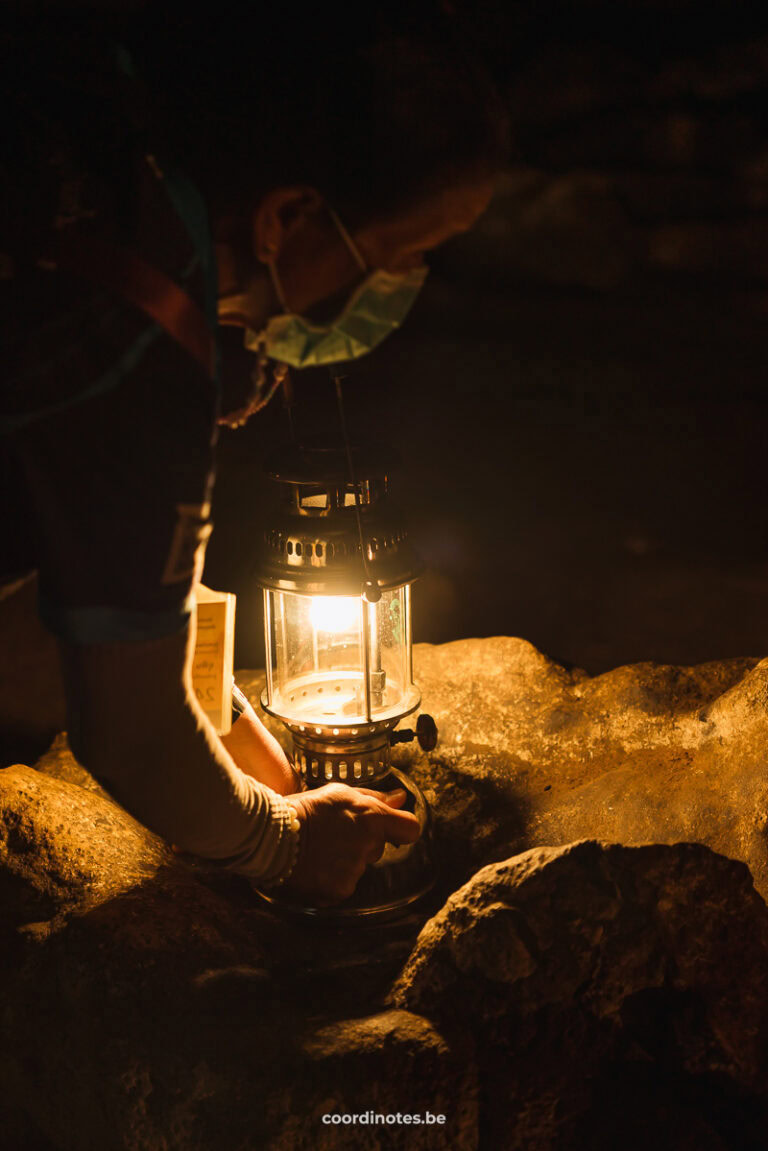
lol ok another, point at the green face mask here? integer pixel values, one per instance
(377, 307)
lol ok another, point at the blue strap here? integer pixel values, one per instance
(193, 213)
(110, 379)
(104, 624)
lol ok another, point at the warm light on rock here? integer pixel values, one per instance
(580, 984)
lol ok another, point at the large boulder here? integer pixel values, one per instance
(533, 754)
(616, 996)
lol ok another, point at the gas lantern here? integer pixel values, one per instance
(336, 568)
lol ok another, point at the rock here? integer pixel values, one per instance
(648, 139)
(566, 229)
(61, 850)
(607, 989)
(562, 83)
(530, 754)
(736, 249)
(393, 1061)
(664, 197)
(727, 71)
(149, 1003)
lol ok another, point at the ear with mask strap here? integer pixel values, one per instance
(351, 245)
(373, 310)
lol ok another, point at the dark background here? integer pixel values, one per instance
(579, 393)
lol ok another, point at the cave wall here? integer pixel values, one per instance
(579, 392)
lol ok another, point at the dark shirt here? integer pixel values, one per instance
(109, 425)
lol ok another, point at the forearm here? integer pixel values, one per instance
(188, 789)
(256, 751)
(150, 745)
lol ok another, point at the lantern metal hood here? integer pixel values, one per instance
(336, 565)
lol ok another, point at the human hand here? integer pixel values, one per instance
(343, 829)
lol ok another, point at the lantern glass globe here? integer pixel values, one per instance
(337, 660)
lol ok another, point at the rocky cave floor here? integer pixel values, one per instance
(591, 973)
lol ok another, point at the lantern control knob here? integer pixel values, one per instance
(425, 733)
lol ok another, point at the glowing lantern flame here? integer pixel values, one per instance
(335, 613)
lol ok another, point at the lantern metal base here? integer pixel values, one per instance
(362, 763)
(389, 887)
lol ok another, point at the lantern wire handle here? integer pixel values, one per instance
(371, 591)
(289, 401)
